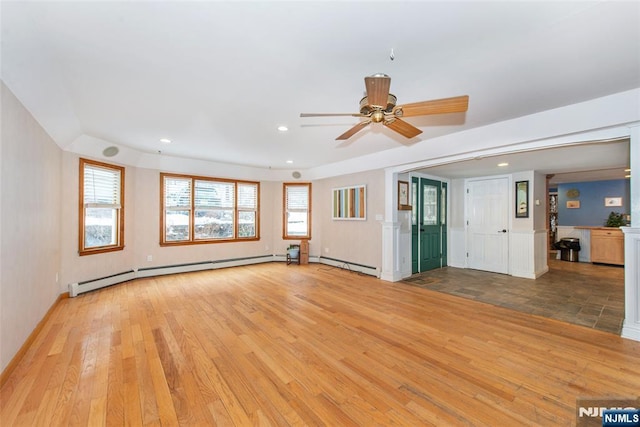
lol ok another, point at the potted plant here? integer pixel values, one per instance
(615, 220)
(293, 251)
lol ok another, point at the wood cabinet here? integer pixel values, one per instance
(607, 245)
(304, 251)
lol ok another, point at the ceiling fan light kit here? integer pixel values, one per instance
(379, 106)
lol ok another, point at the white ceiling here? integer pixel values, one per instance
(218, 78)
(588, 161)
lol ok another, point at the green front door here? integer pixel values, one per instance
(428, 227)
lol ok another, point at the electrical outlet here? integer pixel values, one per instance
(326, 250)
(149, 258)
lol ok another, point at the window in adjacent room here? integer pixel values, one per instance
(101, 208)
(297, 211)
(208, 210)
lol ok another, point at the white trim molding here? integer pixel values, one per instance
(631, 325)
(391, 252)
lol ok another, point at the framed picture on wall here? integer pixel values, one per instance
(573, 204)
(350, 203)
(613, 201)
(403, 196)
(522, 199)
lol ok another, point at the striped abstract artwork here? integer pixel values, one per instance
(350, 202)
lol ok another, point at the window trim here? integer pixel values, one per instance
(285, 236)
(192, 209)
(81, 210)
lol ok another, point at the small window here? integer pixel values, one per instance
(297, 211)
(247, 210)
(177, 209)
(208, 210)
(101, 208)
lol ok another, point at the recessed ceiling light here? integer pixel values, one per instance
(503, 164)
(627, 176)
(165, 140)
(289, 161)
(283, 128)
(627, 170)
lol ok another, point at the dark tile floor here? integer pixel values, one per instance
(581, 293)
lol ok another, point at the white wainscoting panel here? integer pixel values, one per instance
(521, 254)
(457, 256)
(391, 252)
(405, 253)
(540, 252)
(631, 325)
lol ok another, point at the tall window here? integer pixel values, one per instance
(207, 210)
(101, 207)
(296, 221)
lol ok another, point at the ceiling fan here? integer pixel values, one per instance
(379, 106)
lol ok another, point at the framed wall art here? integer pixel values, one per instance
(573, 204)
(522, 199)
(403, 196)
(350, 203)
(613, 201)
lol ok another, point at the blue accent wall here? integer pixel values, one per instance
(592, 211)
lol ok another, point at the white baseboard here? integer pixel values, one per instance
(630, 331)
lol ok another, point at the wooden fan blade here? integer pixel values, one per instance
(378, 89)
(403, 128)
(331, 114)
(457, 104)
(348, 134)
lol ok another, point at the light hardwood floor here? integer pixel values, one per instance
(306, 345)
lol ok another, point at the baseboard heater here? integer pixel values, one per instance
(76, 289)
(340, 263)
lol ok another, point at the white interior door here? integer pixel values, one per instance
(487, 207)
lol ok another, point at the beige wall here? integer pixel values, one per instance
(29, 223)
(349, 240)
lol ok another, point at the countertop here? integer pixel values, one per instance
(586, 227)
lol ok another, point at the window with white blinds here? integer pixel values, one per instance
(247, 210)
(177, 209)
(202, 210)
(101, 208)
(297, 211)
